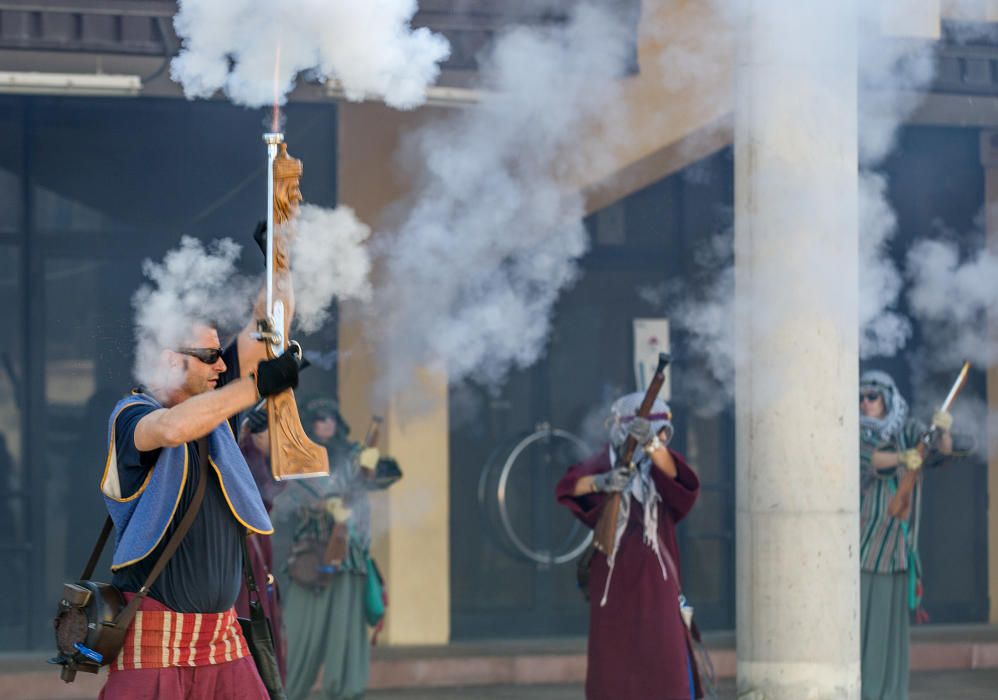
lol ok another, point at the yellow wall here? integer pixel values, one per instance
(411, 520)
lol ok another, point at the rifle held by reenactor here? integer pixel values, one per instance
(900, 505)
(606, 528)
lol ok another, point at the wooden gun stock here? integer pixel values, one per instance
(604, 534)
(292, 454)
(900, 505)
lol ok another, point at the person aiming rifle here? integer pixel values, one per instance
(335, 588)
(893, 449)
(639, 646)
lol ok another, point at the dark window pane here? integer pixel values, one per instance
(11, 155)
(13, 612)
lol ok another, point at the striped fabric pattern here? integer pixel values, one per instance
(884, 545)
(165, 639)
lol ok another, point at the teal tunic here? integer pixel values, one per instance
(326, 628)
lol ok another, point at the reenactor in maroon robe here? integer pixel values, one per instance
(639, 645)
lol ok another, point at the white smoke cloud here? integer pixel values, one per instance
(884, 331)
(893, 77)
(192, 283)
(951, 295)
(706, 313)
(894, 74)
(329, 261)
(255, 49)
(492, 233)
(970, 20)
(195, 282)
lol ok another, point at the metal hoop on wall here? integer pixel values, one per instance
(521, 548)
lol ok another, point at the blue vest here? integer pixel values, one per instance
(141, 520)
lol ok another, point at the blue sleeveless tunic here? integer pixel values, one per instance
(141, 519)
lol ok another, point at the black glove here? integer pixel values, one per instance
(274, 376)
(260, 236)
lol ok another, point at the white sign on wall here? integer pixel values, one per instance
(651, 336)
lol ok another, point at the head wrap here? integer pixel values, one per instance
(896, 408)
(320, 408)
(625, 409)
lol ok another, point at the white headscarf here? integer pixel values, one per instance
(896, 408)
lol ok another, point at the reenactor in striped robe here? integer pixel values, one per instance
(890, 569)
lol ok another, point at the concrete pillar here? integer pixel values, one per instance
(989, 159)
(796, 253)
(411, 521)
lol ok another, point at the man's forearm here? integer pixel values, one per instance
(583, 486)
(663, 461)
(195, 417)
(883, 461)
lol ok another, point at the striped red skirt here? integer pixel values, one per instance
(194, 656)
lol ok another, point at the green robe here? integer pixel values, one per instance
(326, 628)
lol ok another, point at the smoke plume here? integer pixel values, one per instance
(951, 295)
(493, 233)
(884, 331)
(192, 283)
(330, 262)
(255, 49)
(894, 75)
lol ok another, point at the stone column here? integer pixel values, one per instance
(796, 256)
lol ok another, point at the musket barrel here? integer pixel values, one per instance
(957, 385)
(272, 139)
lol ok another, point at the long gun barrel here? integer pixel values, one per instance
(606, 528)
(900, 505)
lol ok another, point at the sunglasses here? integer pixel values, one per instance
(209, 356)
(869, 396)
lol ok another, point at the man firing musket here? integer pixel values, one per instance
(176, 481)
(893, 449)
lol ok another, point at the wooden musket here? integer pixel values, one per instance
(292, 453)
(900, 505)
(604, 535)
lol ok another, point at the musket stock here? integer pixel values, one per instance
(292, 453)
(900, 505)
(604, 534)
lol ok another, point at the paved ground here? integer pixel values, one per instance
(942, 685)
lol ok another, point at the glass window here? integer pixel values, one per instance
(11, 155)
(13, 549)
